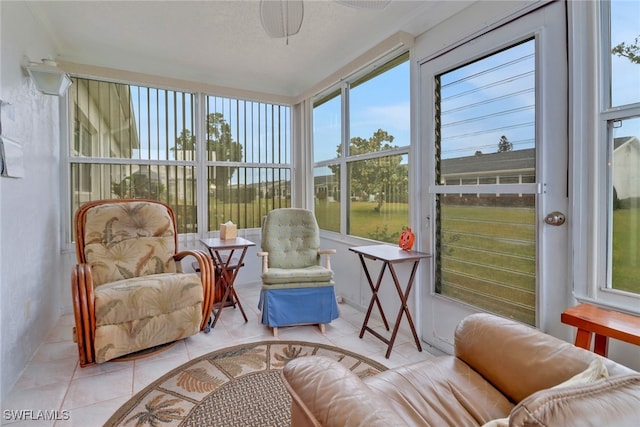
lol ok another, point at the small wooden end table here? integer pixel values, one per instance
(592, 320)
(390, 256)
(227, 268)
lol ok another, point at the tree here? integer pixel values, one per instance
(373, 176)
(631, 52)
(504, 145)
(138, 185)
(220, 146)
(185, 141)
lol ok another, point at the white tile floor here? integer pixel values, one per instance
(53, 380)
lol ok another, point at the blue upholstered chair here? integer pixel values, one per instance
(297, 288)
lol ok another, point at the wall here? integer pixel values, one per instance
(30, 207)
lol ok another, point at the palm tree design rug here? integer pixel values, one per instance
(234, 386)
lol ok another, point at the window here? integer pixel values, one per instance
(366, 180)
(485, 139)
(82, 146)
(141, 142)
(620, 117)
(248, 160)
(327, 139)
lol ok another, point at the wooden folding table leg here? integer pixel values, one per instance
(404, 308)
(216, 314)
(374, 296)
(231, 280)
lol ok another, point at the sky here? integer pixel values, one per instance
(488, 99)
(625, 17)
(471, 106)
(379, 103)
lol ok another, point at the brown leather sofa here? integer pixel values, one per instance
(500, 368)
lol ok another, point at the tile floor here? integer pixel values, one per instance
(87, 397)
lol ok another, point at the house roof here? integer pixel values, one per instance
(622, 140)
(482, 164)
(515, 160)
(223, 43)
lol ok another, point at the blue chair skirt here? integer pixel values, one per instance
(296, 306)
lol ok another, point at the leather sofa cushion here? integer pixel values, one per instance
(438, 392)
(595, 372)
(496, 358)
(588, 405)
(324, 390)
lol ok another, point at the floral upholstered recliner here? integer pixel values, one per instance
(129, 292)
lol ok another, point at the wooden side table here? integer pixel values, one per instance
(604, 324)
(227, 268)
(390, 256)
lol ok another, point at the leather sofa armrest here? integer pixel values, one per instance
(517, 359)
(326, 393)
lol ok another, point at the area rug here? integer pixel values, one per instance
(234, 386)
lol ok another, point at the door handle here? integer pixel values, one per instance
(555, 218)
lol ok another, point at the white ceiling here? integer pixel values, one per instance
(223, 43)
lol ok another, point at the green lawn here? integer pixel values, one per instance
(487, 258)
(626, 250)
(487, 253)
(384, 225)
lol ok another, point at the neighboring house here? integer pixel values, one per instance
(94, 130)
(626, 167)
(326, 187)
(508, 167)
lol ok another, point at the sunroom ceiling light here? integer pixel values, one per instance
(48, 78)
(281, 18)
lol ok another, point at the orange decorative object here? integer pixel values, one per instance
(406, 239)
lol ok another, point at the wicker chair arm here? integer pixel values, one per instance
(82, 291)
(207, 277)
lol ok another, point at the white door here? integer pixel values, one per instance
(494, 139)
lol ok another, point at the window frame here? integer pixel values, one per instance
(590, 147)
(200, 162)
(342, 89)
(247, 162)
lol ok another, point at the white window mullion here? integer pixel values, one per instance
(66, 134)
(345, 197)
(202, 187)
